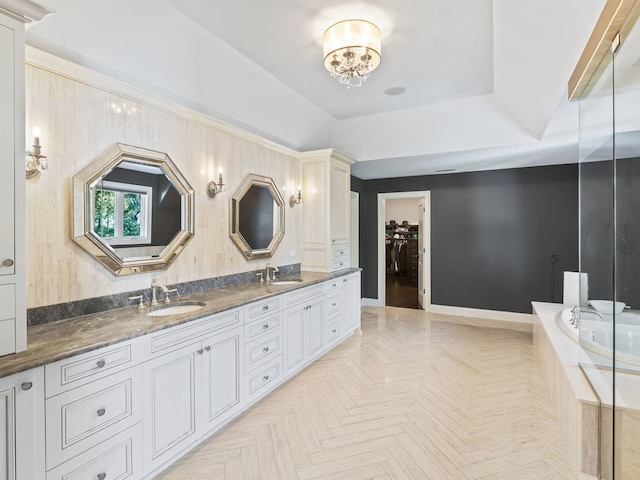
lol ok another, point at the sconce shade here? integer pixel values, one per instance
(351, 51)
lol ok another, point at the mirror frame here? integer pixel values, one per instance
(234, 216)
(83, 233)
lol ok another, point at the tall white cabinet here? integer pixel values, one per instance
(13, 323)
(326, 218)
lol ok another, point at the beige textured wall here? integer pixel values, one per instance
(78, 123)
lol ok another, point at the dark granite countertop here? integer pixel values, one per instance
(62, 339)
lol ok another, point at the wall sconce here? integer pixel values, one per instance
(214, 188)
(35, 162)
(293, 200)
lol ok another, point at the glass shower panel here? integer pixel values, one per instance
(626, 434)
(596, 174)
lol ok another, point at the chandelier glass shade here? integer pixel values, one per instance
(351, 51)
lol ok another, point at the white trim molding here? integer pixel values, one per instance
(526, 318)
(25, 10)
(371, 302)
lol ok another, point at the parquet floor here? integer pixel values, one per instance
(416, 396)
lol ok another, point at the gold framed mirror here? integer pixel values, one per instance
(133, 210)
(257, 217)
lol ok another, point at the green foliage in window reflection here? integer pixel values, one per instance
(104, 219)
(132, 214)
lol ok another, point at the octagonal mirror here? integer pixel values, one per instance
(132, 210)
(257, 217)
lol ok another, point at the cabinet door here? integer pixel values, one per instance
(340, 207)
(222, 377)
(352, 301)
(7, 143)
(21, 425)
(314, 327)
(170, 390)
(294, 338)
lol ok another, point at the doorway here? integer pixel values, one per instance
(404, 274)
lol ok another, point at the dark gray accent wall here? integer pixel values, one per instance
(492, 234)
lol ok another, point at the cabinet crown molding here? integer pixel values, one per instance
(25, 10)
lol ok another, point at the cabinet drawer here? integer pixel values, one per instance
(262, 326)
(261, 350)
(333, 304)
(258, 383)
(304, 294)
(333, 285)
(179, 336)
(267, 306)
(88, 415)
(340, 263)
(331, 332)
(7, 302)
(118, 458)
(339, 251)
(79, 370)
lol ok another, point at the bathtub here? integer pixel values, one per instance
(596, 334)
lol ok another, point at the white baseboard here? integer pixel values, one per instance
(480, 313)
(371, 302)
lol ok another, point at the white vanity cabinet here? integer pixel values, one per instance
(304, 325)
(191, 383)
(326, 185)
(13, 333)
(263, 348)
(93, 411)
(21, 426)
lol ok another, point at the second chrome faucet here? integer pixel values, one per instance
(154, 286)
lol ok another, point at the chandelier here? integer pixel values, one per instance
(351, 51)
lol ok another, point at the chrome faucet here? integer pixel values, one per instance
(270, 277)
(165, 290)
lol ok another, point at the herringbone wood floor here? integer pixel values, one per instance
(416, 396)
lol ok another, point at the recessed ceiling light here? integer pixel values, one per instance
(394, 90)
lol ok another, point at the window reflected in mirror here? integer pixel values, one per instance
(136, 212)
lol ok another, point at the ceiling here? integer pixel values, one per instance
(485, 80)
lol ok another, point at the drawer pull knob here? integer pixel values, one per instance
(200, 352)
(333, 331)
(265, 326)
(27, 385)
(333, 304)
(344, 280)
(208, 349)
(7, 263)
(102, 476)
(101, 412)
(265, 349)
(333, 285)
(101, 363)
(265, 378)
(265, 307)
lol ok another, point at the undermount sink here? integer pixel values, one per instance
(293, 281)
(175, 309)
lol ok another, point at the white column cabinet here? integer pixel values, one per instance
(13, 333)
(22, 426)
(326, 185)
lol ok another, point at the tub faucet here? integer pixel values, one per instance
(575, 316)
